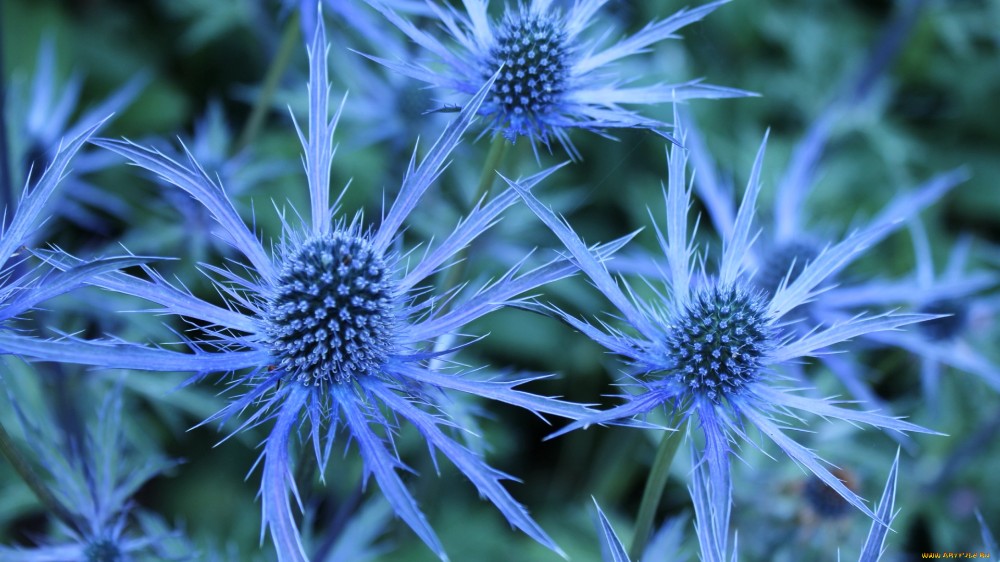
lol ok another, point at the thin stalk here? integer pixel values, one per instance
(31, 478)
(289, 41)
(656, 482)
(494, 161)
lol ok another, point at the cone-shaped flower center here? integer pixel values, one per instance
(719, 340)
(103, 550)
(784, 259)
(331, 318)
(531, 48)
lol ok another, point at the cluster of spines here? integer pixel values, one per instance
(532, 50)
(331, 317)
(719, 340)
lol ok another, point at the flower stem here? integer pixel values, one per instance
(31, 478)
(289, 40)
(494, 161)
(655, 484)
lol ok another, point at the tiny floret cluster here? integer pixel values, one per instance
(719, 340)
(531, 50)
(331, 316)
(554, 73)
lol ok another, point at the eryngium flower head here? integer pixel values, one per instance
(94, 476)
(791, 240)
(963, 294)
(710, 346)
(332, 314)
(337, 326)
(554, 76)
(39, 118)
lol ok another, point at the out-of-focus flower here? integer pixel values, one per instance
(39, 117)
(957, 293)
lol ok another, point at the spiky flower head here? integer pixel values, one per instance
(39, 118)
(555, 71)
(710, 346)
(959, 293)
(331, 317)
(93, 477)
(337, 326)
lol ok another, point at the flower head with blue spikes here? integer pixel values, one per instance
(710, 346)
(93, 477)
(553, 76)
(337, 327)
(39, 117)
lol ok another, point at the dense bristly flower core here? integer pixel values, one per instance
(718, 341)
(331, 318)
(532, 49)
(103, 551)
(948, 327)
(789, 259)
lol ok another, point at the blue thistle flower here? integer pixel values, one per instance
(38, 119)
(94, 479)
(711, 346)
(957, 294)
(787, 246)
(335, 327)
(554, 76)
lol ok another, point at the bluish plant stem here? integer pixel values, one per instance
(656, 482)
(31, 478)
(289, 42)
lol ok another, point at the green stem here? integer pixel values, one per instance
(494, 161)
(656, 482)
(31, 478)
(289, 40)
